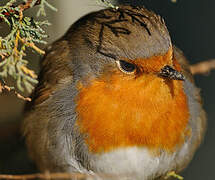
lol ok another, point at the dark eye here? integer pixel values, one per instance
(126, 67)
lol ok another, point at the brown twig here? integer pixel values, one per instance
(56, 176)
(44, 176)
(27, 4)
(203, 67)
(28, 72)
(32, 45)
(5, 87)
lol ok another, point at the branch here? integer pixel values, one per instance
(25, 32)
(203, 67)
(28, 4)
(49, 176)
(23, 6)
(107, 3)
(80, 176)
(3, 86)
(44, 176)
(32, 45)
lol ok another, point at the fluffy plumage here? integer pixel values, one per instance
(88, 116)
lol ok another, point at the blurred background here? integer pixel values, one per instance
(191, 25)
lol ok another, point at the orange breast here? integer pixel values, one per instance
(123, 112)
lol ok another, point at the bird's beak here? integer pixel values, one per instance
(170, 73)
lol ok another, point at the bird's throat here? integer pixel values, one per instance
(144, 112)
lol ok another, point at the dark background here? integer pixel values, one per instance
(192, 25)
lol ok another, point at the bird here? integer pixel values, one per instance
(115, 97)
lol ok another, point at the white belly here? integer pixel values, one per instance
(134, 163)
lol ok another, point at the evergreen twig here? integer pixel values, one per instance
(107, 3)
(25, 32)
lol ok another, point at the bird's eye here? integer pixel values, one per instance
(126, 67)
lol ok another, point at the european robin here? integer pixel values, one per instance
(115, 97)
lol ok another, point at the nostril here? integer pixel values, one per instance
(170, 73)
